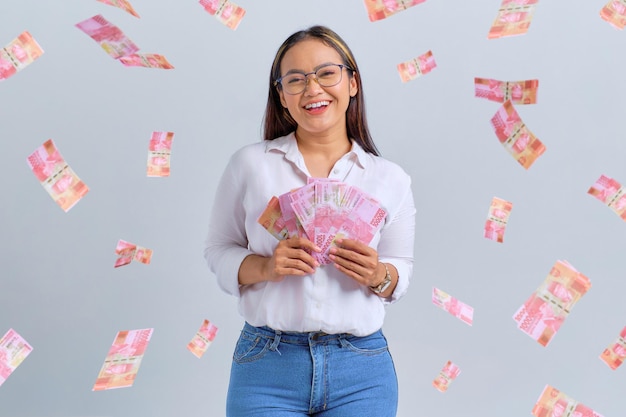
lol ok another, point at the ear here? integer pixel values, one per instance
(353, 85)
(281, 94)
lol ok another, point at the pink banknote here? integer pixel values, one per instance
(122, 4)
(497, 219)
(546, 309)
(614, 12)
(553, 403)
(611, 193)
(56, 176)
(146, 60)
(448, 374)
(128, 252)
(513, 18)
(225, 11)
(516, 138)
(303, 204)
(519, 92)
(416, 67)
(13, 350)
(453, 306)
(109, 36)
(381, 9)
(290, 220)
(203, 339)
(18, 54)
(123, 360)
(159, 151)
(615, 354)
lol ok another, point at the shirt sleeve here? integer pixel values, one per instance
(397, 240)
(226, 244)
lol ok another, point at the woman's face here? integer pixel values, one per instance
(317, 110)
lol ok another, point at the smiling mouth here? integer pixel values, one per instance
(317, 105)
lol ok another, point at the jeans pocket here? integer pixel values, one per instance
(250, 347)
(374, 344)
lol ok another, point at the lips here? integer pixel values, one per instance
(316, 105)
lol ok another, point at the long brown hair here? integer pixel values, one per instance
(277, 120)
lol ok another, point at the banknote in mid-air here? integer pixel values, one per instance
(553, 403)
(448, 374)
(108, 36)
(13, 350)
(19, 53)
(56, 176)
(146, 60)
(417, 67)
(453, 306)
(122, 4)
(123, 360)
(519, 92)
(203, 338)
(497, 218)
(611, 193)
(381, 9)
(615, 354)
(514, 17)
(128, 252)
(225, 11)
(159, 152)
(614, 12)
(546, 309)
(515, 136)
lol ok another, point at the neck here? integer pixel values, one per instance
(321, 152)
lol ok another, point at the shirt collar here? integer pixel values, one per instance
(289, 146)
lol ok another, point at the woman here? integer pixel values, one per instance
(312, 342)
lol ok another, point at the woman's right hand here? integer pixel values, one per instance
(291, 257)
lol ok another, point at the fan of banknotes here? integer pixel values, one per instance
(322, 211)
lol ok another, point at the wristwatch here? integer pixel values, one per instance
(380, 288)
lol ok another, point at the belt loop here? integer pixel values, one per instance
(274, 345)
(342, 340)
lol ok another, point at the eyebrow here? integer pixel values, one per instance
(299, 71)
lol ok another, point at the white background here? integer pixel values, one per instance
(58, 287)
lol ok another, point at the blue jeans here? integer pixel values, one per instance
(279, 374)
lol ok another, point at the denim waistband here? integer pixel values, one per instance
(295, 338)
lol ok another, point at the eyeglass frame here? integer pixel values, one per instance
(306, 75)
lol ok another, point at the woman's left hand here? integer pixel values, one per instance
(357, 260)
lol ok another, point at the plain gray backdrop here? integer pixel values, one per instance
(58, 287)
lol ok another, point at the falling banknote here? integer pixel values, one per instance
(56, 176)
(513, 18)
(122, 4)
(497, 218)
(614, 12)
(448, 374)
(225, 11)
(416, 67)
(453, 306)
(203, 339)
(611, 193)
(553, 402)
(109, 36)
(128, 252)
(381, 9)
(515, 136)
(544, 312)
(19, 53)
(519, 92)
(159, 151)
(146, 60)
(122, 362)
(13, 350)
(615, 353)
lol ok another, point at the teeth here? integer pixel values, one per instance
(316, 105)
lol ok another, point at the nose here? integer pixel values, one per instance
(312, 86)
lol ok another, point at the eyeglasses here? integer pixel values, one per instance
(326, 76)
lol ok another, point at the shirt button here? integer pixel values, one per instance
(335, 171)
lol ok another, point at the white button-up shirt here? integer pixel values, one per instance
(326, 300)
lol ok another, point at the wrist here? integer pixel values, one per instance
(384, 283)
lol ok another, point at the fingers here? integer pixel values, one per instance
(355, 259)
(292, 257)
